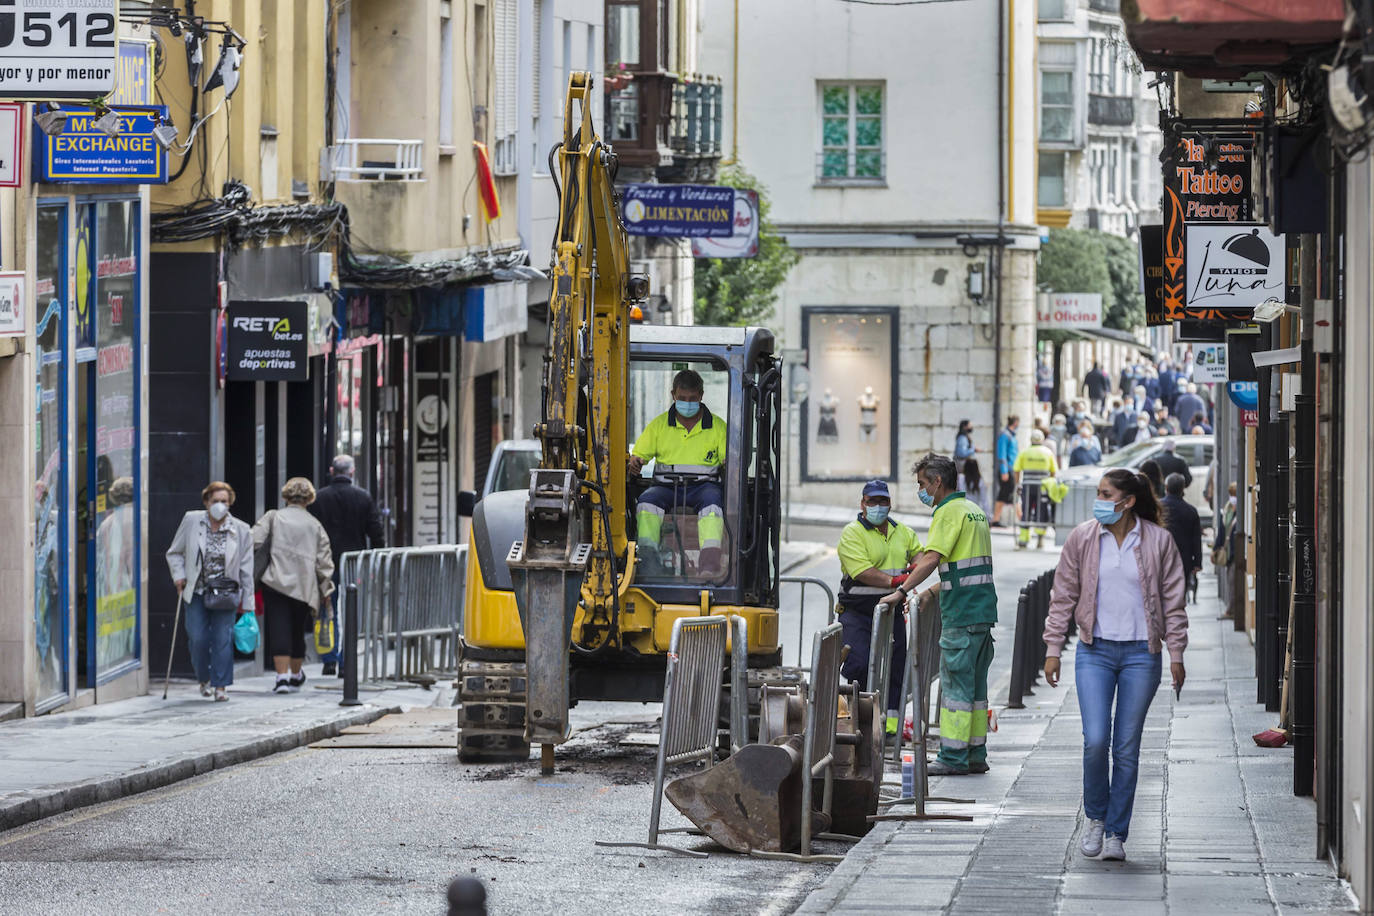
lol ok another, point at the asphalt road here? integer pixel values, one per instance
(384, 830)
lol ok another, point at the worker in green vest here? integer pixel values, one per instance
(1034, 468)
(875, 551)
(960, 545)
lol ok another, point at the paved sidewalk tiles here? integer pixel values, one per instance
(1215, 829)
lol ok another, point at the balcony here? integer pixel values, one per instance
(394, 160)
(1111, 110)
(694, 130)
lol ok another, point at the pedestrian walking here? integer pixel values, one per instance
(1033, 467)
(1044, 382)
(1186, 528)
(1164, 424)
(1057, 439)
(960, 546)
(1123, 421)
(875, 551)
(971, 483)
(350, 518)
(1170, 463)
(963, 442)
(212, 552)
(1097, 386)
(1189, 405)
(1085, 447)
(1150, 468)
(297, 581)
(1121, 580)
(1007, 450)
(1140, 401)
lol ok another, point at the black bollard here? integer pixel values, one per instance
(1018, 655)
(467, 897)
(350, 647)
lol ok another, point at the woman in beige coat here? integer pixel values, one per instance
(298, 579)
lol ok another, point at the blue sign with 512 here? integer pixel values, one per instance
(84, 154)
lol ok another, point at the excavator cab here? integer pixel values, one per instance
(741, 377)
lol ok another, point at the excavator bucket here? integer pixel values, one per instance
(751, 801)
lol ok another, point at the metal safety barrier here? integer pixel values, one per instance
(410, 605)
(1028, 648)
(804, 582)
(880, 652)
(691, 709)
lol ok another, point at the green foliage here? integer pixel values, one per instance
(740, 291)
(1091, 261)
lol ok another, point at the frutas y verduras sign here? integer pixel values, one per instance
(1196, 191)
(1067, 311)
(681, 211)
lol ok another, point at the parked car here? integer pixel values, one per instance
(1196, 450)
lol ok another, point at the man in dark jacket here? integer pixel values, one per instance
(1184, 524)
(1098, 387)
(1169, 463)
(350, 518)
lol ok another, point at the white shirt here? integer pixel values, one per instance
(1120, 602)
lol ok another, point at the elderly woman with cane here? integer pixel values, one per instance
(211, 562)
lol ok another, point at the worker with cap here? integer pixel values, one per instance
(960, 546)
(1033, 467)
(875, 551)
(688, 445)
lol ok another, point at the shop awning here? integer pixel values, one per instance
(1226, 39)
(1111, 335)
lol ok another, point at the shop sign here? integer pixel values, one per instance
(1244, 395)
(494, 311)
(432, 467)
(1249, 418)
(134, 75)
(84, 154)
(744, 243)
(11, 144)
(1232, 269)
(683, 211)
(12, 303)
(1068, 311)
(268, 342)
(1152, 274)
(58, 50)
(1209, 363)
(1206, 180)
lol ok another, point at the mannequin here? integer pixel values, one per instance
(868, 415)
(827, 430)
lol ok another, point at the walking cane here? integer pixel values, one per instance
(173, 650)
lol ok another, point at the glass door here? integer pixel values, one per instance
(50, 489)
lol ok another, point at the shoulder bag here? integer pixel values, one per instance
(221, 594)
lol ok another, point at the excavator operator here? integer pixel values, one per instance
(688, 443)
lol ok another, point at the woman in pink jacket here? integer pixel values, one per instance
(1121, 579)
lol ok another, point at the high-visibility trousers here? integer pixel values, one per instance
(965, 656)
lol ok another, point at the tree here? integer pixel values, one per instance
(740, 291)
(1091, 261)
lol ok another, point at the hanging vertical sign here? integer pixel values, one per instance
(1152, 273)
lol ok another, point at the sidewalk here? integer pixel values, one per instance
(1215, 829)
(51, 764)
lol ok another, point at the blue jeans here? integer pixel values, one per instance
(1131, 673)
(210, 635)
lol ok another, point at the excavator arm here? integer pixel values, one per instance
(576, 559)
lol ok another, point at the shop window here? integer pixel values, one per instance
(851, 132)
(849, 414)
(50, 438)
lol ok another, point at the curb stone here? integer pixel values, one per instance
(39, 804)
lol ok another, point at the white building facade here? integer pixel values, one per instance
(897, 146)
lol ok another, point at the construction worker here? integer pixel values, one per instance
(875, 551)
(688, 444)
(1033, 467)
(960, 545)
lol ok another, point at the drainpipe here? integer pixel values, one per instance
(1001, 211)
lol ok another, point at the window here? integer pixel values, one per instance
(1051, 183)
(1056, 105)
(505, 104)
(446, 81)
(851, 132)
(622, 36)
(1056, 10)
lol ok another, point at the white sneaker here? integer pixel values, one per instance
(205, 688)
(283, 684)
(1113, 849)
(1092, 839)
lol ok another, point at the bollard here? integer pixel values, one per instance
(467, 897)
(1018, 655)
(350, 650)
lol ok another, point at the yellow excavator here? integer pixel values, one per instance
(558, 606)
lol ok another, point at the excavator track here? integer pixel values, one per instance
(491, 720)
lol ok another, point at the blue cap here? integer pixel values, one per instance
(876, 488)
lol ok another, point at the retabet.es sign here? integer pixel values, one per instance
(267, 342)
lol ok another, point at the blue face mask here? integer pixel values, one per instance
(1106, 512)
(925, 497)
(687, 409)
(876, 515)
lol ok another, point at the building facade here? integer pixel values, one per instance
(912, 305)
